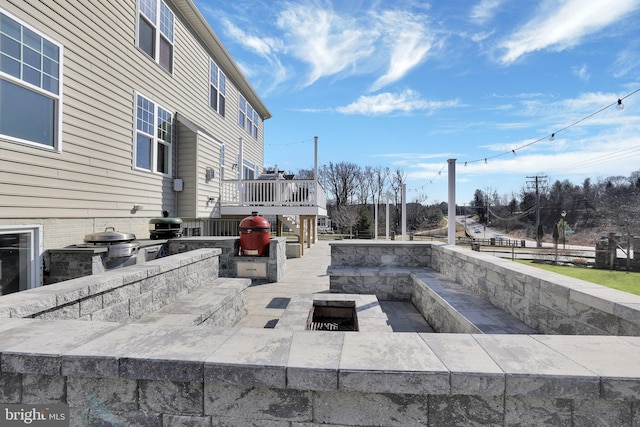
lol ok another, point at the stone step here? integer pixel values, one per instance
(201, 305)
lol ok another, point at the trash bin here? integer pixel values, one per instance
(255, 234)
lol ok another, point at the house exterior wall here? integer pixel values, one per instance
(90, 181)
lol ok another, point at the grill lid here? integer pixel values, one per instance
(109, 235)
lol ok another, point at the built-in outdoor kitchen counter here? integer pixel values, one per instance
(87, 259)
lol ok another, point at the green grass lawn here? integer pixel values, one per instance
(621, 280)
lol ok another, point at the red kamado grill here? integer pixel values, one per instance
(255, 233)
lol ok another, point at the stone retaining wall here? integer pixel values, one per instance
(548, 302)
(275, 261)
(119, 295)
(159, 375)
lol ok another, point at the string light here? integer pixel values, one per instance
(286, 144)
(552, 136)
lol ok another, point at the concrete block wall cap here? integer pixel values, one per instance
(606, 356)
(400, 382)
(535, 369)
(28, 305)
(253, 347)
(370, 351)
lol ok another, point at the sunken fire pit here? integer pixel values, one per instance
(332, 316)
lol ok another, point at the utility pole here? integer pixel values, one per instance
(537, 180)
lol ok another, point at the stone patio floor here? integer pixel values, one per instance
(306, 276)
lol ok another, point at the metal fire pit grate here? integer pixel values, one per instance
(333, 316)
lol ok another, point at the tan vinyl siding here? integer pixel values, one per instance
(209, 156)
(187, 165)
(93, 175)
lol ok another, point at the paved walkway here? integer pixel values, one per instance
(308, 275)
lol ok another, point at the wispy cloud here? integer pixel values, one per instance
(485, 10)
(388, 103)
(628, 62)
(409, 42)
(559, 25)
(335, 40)
(328, 42)
(582, 72)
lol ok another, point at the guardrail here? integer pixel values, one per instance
(273, 192)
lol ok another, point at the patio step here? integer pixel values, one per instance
(220, 302)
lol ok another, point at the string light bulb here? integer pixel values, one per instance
(485, 161)
(552, 137)
(620, 104)
(514, 152)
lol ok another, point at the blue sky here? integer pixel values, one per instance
(410, 84)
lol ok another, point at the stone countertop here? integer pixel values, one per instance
(584, 367)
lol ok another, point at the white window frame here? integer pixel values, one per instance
(247, 117)
(249, 170)
(218, 81)
(34, 257)
(56, 97)
(155, 139)
(156, 21)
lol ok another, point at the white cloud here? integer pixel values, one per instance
(485, 10)
(560, 25)
(627, 62)
(387, 103)
(582, 72)
(409, 43)
(328, 42)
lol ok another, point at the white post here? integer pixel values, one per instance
(375, 215)
(315, 158)
(387, 219)
(240, 160)
(452, 201)
(404, 211)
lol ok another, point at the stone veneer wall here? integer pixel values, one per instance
(161, 375)
(119, 295)
(230, 247)
(546, 301)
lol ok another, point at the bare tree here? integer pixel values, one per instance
(304, 174)
(343, 179)
(397, 180)
(346, 217)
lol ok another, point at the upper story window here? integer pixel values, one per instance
(154, 136)
(217, 89)
(30, 84)
(155, 31)
(247, 117)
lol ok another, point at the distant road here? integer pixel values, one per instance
(479, 231)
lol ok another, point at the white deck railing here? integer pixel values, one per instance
(273, 192)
